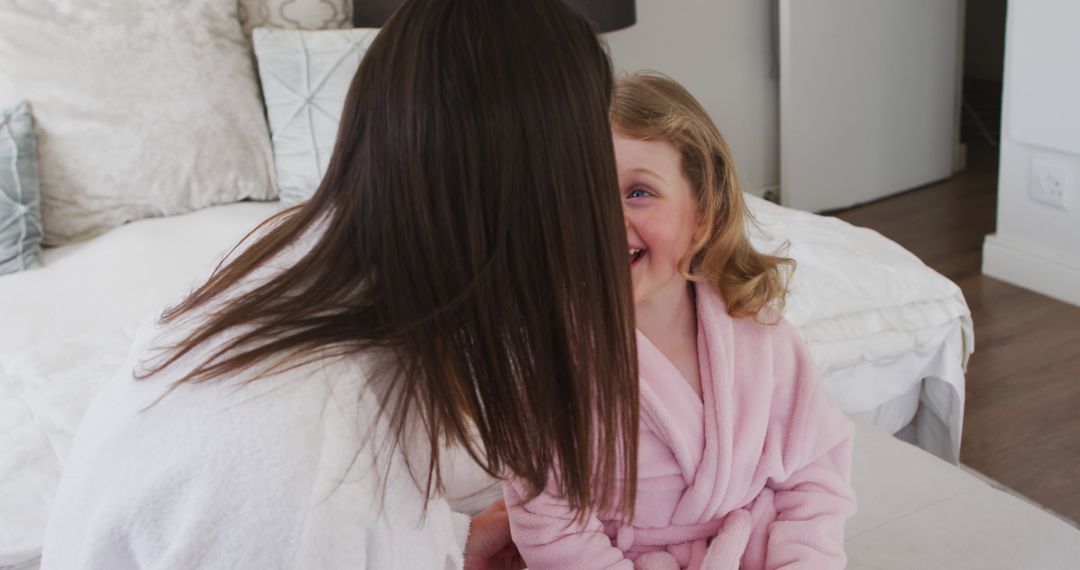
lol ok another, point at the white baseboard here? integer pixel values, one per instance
(1052, 273)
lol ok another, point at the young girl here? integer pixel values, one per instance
(744, 460)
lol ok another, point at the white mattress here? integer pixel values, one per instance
(876, 319)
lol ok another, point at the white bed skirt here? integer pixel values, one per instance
(919, 395)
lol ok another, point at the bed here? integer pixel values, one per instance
(68, 324)
(890, 336)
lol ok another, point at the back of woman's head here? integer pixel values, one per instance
(650, 105)
(473, 230)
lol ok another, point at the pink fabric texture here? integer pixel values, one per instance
(755, 474)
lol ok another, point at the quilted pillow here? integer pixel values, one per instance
(20, 217)
(305, 77)
(142, 108)
(295, 14)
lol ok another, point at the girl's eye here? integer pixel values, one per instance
(637, 192)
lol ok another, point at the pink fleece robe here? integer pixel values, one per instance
(754, 475)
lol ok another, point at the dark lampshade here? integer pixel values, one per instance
(607, 15)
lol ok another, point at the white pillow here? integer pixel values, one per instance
(305, 77)
(295, 14)
(142, 108)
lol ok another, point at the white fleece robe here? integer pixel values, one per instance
(219, 475)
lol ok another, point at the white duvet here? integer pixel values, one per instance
(853, 284)
(857, 298)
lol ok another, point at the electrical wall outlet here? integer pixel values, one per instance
(1051, 182)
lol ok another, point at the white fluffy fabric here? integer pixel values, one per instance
(285, 472)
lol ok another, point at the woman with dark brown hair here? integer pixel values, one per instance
(459, 281)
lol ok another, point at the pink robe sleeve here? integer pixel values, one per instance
(547, 537)
(811, 446)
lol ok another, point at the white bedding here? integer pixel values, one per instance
(852, 283)
(918, 393)
(876, 319)
(879, 323)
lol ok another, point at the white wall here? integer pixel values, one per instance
(721, 50)
(1038, 246)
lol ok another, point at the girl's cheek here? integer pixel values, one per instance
(658, 226)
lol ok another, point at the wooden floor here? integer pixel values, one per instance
(1022, 419)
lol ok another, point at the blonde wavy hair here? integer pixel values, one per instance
(652, 106)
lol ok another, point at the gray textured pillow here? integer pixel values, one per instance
(142, 108)
(305, 77)
(20, 214)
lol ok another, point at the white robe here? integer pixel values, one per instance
(218, 475)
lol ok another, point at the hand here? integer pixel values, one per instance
(489, 546)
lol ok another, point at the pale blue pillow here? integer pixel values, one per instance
(20, 198)
(305, 76)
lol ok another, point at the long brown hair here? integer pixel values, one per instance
(470, 226)
(650, 105)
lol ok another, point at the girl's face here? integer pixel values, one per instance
(661, 209)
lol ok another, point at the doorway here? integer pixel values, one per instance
(984, 63)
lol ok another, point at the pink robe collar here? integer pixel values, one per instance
(700, 432)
